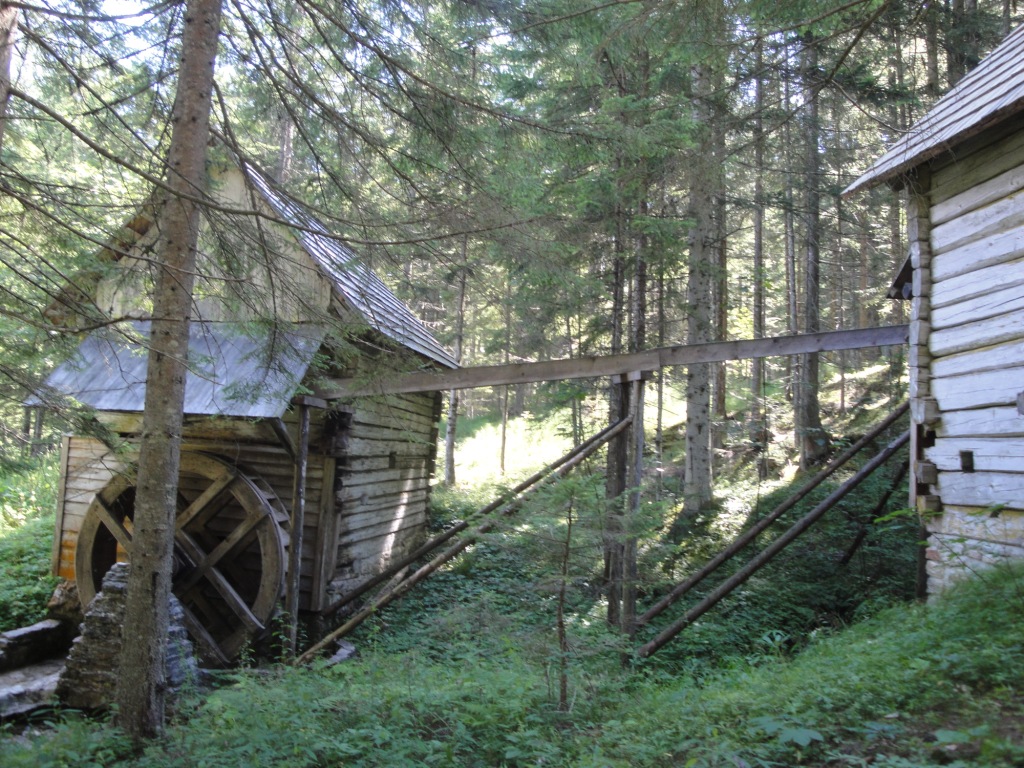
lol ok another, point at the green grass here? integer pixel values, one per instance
(912, 687)
(466, 670)
(27, 504)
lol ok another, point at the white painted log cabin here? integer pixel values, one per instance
(279, 304)
(963, 168)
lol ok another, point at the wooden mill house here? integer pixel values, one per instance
(279, 303)
(963, 168)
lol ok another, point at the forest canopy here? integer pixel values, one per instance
(539, 180)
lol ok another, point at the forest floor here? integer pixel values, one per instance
(504, 657)
(457, 680)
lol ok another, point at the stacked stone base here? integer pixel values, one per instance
(89, 680)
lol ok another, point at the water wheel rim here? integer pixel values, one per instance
(200, 555)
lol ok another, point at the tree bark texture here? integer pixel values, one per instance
(8, 34)
(453, 395)
(704, 186)
(758, 426)
(140, 691)
(810, 435)
(615, 477)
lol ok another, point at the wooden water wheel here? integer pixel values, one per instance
(228, 550)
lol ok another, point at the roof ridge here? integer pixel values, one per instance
(360, 286)
(954, 117)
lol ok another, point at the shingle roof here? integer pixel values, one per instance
(231, 373)
(361, 289)
(990, 93)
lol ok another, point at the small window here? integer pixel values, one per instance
(967, 461)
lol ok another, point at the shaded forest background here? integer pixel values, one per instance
(539, 180)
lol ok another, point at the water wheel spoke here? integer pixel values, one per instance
(115, 526)
(220, 583)
(198, 631)
(203, 503)
(229, 547)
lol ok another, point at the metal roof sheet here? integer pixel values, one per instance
(990, 93)
(231, 372)
(361, 289)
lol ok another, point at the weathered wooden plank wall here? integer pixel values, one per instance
(383, 484)
(974, 460)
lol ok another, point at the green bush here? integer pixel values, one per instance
(27, 502)
(25, 580)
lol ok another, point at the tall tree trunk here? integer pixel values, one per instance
(8, 33)
(931, 46)
(839, 303)
(659, 430)
(453, 395)
(811, 437)
(285, 146)
(792, 287)
(758, 427)
(635, 445)
(721, 303)
(505, 359)
(141, 684)
(576, 417)
(704, 184)
(618, 408)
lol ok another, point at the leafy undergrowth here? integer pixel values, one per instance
(27, 501)
(911, 687)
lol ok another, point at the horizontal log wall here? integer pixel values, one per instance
(382, 486)
(971, 466)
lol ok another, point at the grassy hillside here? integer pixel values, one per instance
(912, 687)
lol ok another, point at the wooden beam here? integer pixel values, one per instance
(392, 570)
(294, 585)
(747, 536)
(400, 588)
(762, 558)
(613, 365)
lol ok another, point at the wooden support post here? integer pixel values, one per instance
(772, 550)
(754, 531)
(401, 588)
(295, 534)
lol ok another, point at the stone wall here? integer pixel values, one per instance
(965, 541)
(89, 680)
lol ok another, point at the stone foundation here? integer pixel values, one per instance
(89, 680)
(963, 541)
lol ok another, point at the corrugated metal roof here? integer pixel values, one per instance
(358, 286)
(990, 93)
(231, 373)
